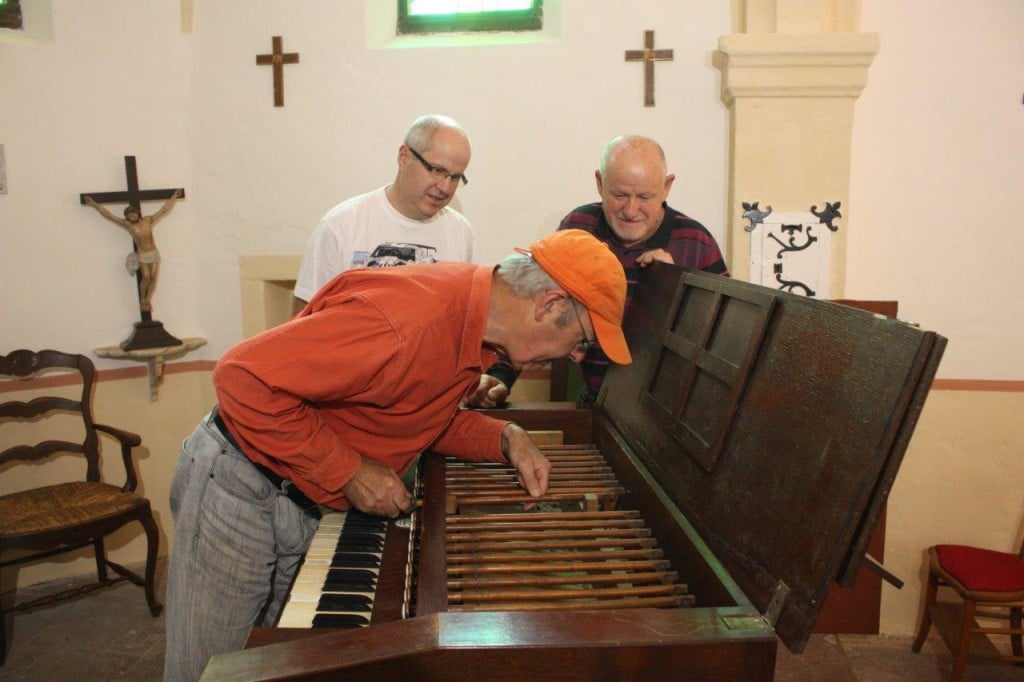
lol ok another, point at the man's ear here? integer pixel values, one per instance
(600, 183)
(548, 302)
(669, 179)
(403, 156)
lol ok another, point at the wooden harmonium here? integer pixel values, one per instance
(697, 514)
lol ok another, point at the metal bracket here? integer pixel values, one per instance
(880, 571)
(771, 614)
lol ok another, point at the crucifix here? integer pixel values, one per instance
(278, 59)
(648, 56)
(144, 261)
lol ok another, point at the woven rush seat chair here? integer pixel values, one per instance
(990, 587)
(53, 519)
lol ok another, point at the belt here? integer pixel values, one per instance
(284, 486)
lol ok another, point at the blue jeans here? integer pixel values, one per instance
(237, 546)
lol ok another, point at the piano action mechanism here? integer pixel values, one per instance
(745, 457)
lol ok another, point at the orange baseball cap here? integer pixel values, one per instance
(586, 268)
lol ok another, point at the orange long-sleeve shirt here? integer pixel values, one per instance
(375, 366)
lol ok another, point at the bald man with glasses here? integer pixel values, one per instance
(409, 221)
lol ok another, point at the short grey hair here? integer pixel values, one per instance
(526, 278)
(421, 132)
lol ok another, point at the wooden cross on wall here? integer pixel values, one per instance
(148, 333)
(278, 59)
(133, 196)
(648, 56)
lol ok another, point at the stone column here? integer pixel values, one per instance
(791, 73)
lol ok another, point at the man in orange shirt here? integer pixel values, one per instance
(333, 406)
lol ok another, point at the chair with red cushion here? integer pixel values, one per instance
(990, 586)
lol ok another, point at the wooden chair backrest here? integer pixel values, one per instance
(22, 364)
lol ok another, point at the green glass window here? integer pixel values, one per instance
(439, 16)
(10, 14)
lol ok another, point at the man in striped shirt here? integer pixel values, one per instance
(633, 219)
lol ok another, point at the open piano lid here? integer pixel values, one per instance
(776, 423)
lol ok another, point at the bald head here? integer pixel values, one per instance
(431, 163)
(422, 131)
(626, 148)
(633, 182)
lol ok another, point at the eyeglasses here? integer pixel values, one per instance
(437, 171)
(586, 344)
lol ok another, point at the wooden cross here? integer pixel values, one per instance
(648, 56)
(147, 331)
(133, 196)
(278, 59)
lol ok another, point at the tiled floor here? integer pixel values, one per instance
(110, 635)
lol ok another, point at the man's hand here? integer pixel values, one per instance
(648, 257)
(490, 393)
(376, 489)
(532, 468)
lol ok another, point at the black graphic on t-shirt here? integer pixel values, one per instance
(391, 254)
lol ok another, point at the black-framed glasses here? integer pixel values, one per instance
(586, 344)
(437, 171)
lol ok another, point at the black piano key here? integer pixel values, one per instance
(344, 602)
(356, 518)
(345, 580)
(358, 574)
(361, 534)
(363, 529)
(339, 620)
(355, 559)
(349, 586)
(359, 548)
(343, 560)
(368, 539)
(360, 543)
(370, 531)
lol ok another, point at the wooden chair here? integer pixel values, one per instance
(990, 586)
(54, 519)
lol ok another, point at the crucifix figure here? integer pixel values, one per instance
(278, 59)
(144, 261)
(648, 56)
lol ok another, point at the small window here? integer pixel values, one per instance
(10, 14)
(440, 16)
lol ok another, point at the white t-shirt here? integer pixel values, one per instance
(367, 231)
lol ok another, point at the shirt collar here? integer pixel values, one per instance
(471, 345)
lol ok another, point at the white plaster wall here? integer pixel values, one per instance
(937, 173)
(937, 168)
(112, 80)
(120, 77)
(531, 110)
(938, 150)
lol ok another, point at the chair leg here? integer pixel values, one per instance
(101, 559)
(152, 545)
(931, 591)
(964, 644)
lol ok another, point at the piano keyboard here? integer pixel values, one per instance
(337, 582)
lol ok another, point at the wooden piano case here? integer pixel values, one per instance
(757, 432)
